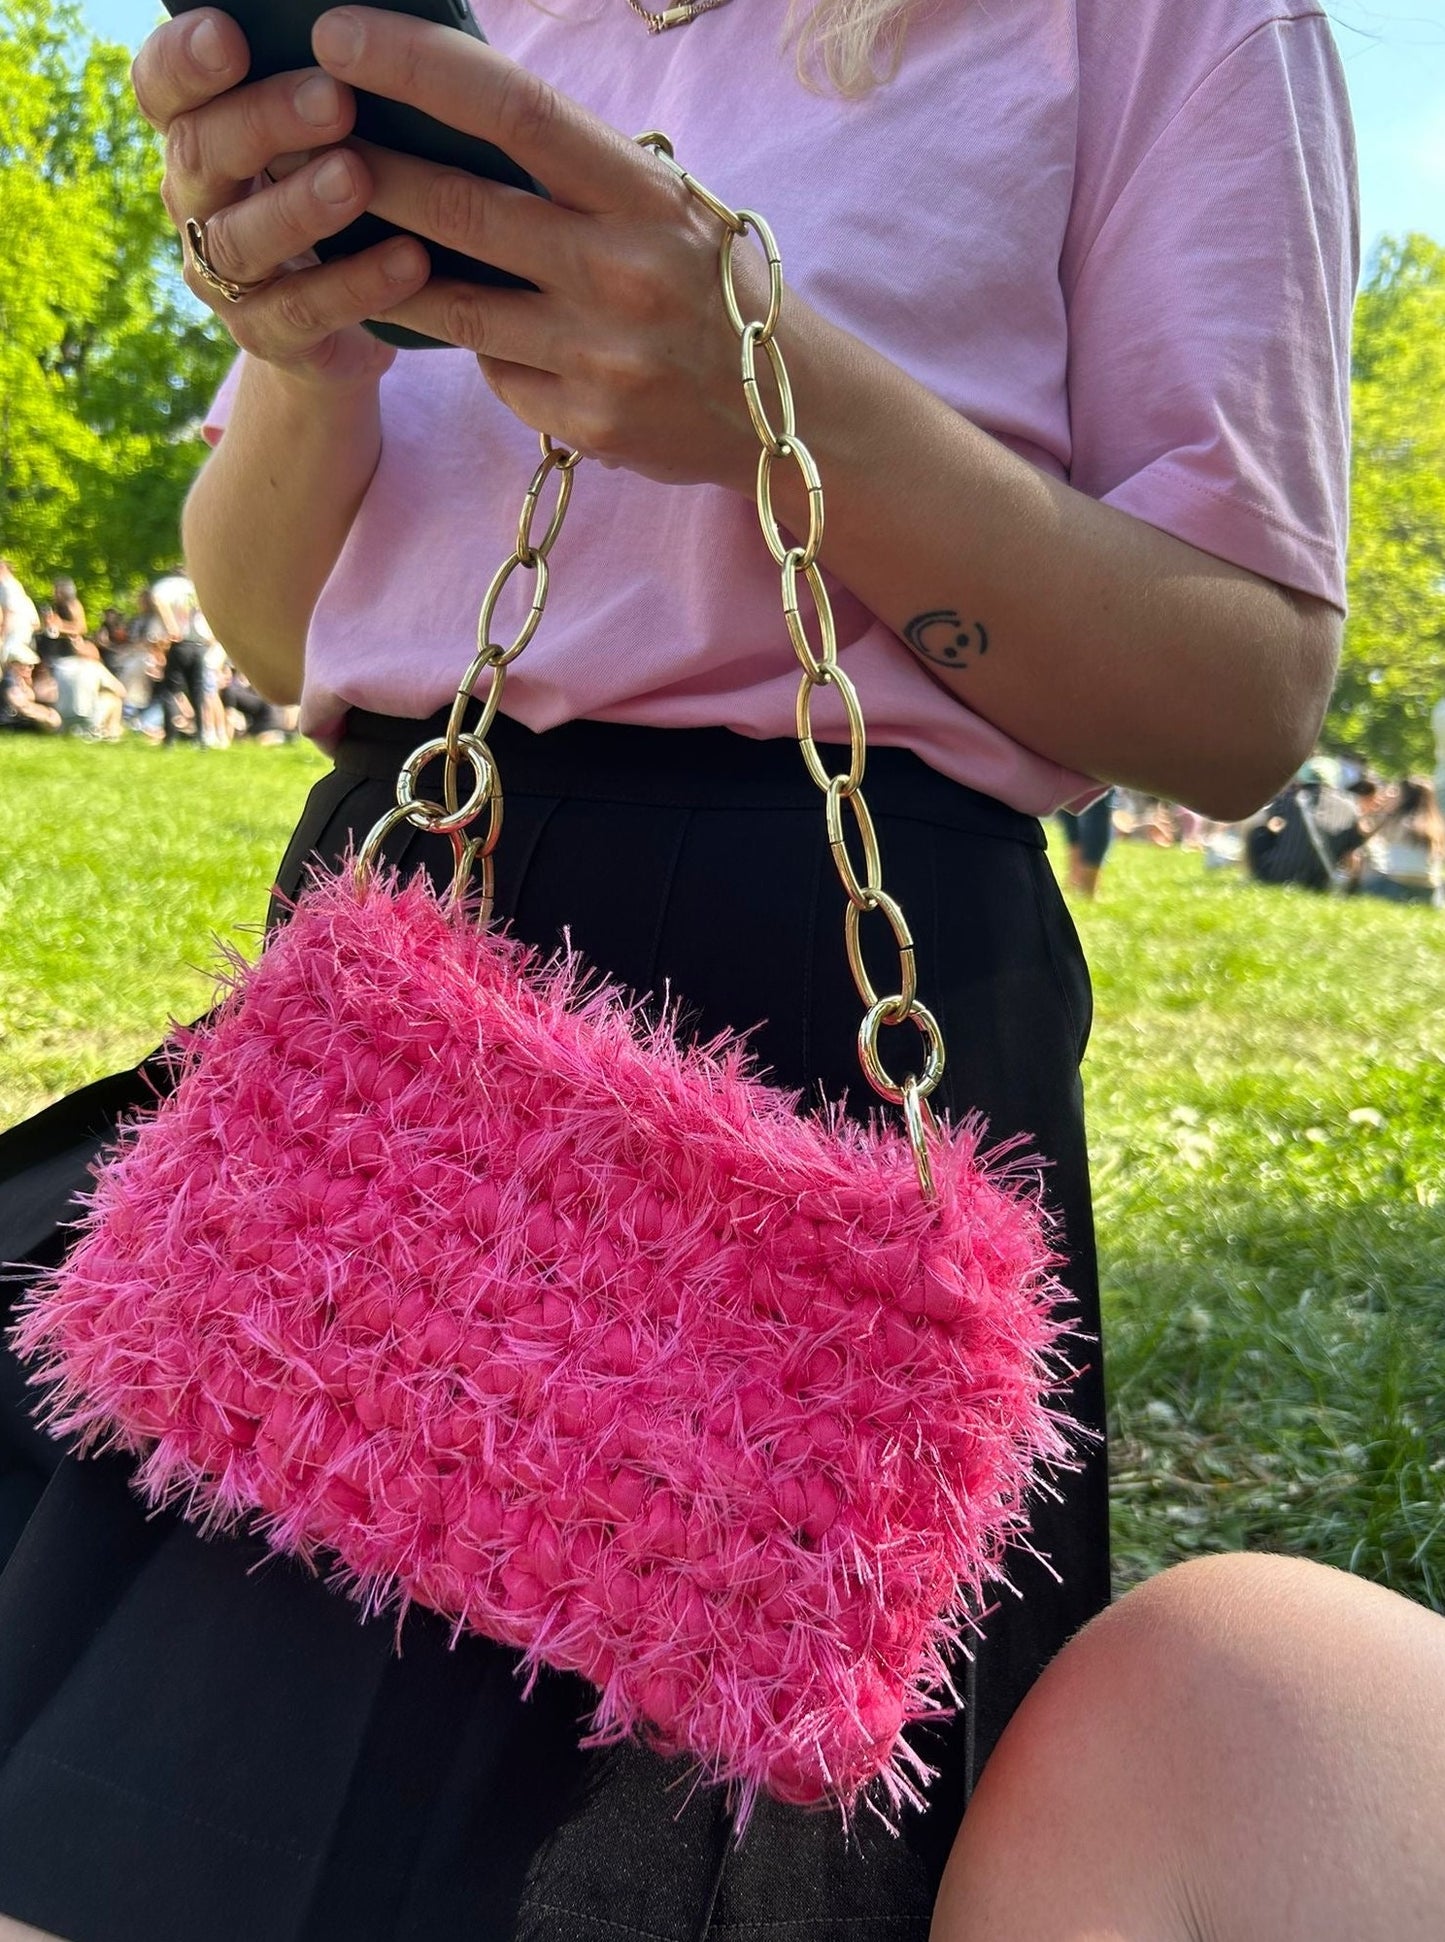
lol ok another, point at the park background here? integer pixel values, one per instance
(1266, 1080)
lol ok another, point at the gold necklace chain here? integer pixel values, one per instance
(658, 23)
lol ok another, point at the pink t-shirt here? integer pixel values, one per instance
(1122, 239)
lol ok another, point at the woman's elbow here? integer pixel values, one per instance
(1286, 722)
(274, 680)
(1312, 665)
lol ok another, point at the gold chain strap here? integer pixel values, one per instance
(861, 878)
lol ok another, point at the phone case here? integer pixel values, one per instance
(278, 33)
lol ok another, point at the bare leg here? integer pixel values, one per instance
(1246, 1749)
(108, 717)
(22, 1932)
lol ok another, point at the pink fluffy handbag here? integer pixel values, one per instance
(443, 1265)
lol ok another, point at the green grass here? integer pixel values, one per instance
(121, 866)
(1267, 1097)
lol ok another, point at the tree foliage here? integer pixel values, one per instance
(1393, 669)
(105, 361)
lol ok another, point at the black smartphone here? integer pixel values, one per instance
(278, 33)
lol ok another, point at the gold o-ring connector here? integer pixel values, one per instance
(443, 821)
(889, 1011)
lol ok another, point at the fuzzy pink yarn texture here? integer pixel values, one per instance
(450, 1272)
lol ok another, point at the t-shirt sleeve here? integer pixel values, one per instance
(1210, 293)
(217, 418)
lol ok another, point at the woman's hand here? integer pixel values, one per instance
(220, 138)
(623, 350)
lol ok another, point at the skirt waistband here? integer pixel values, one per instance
(698, 768)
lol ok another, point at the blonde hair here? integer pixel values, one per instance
(848, 45)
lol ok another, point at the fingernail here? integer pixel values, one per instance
(206, 47)
(318, 101)
(337, 37)
(402, 263)
(332, 181)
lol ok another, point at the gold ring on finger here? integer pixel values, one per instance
(197, 245)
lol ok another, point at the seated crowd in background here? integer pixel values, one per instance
(1351, 832)
(161, 673)
(158, 672)
(1333, 827)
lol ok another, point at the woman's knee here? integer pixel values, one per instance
(1230, 1715)
(1221, 1635)
(1259, 1692)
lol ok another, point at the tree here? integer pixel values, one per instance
(1393, 669)
(105, 361)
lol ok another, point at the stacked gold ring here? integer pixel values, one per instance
(199, 250)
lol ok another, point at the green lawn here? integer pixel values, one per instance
(1267, 1087)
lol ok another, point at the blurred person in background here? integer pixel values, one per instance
(1305, 837)
(22, 705)
(66, 614)
(1372, 802)
(91, 699)
(112, 637)
(184, 676)
(1088, 833)
(1405, 857)
(140, 665)
(215, 728)
(19, 615)
(252, 715)
(1143, 819)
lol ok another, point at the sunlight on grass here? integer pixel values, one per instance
(122, 867)
(1267, 1101)
(1267, 1104)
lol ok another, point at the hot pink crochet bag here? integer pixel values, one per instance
(443, 1265)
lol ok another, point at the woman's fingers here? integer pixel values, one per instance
(585, 164)
(514, 326)
(249, 240)
(186, 63)
(209, 151)
(508, 228)
(221, 137)
(292, 321)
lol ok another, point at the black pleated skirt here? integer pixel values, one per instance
(201, 1743)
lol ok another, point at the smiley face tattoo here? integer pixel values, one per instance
(941, 637)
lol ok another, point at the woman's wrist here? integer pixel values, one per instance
(315, 403)
(282, 490)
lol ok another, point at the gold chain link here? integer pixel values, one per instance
(461, 745)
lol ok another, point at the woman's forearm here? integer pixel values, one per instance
(1089, 636)
(270, 511)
